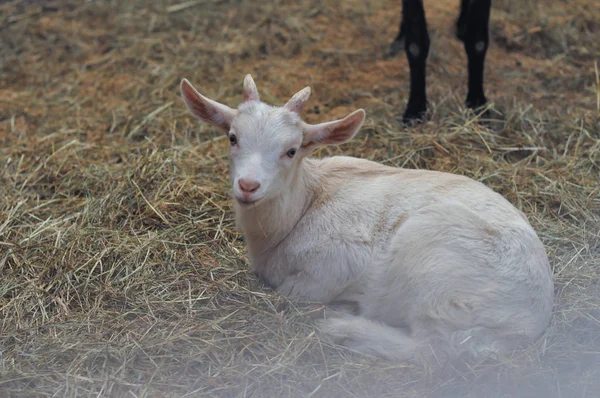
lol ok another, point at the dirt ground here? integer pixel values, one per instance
(121, 272)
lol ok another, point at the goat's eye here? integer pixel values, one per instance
(233, 139)
(291, 153)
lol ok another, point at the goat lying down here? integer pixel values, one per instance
(433, 261)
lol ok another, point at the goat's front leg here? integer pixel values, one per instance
(303, 286)
(473, 31)
(416, 47)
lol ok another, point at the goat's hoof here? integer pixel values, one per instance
(414, 115)
(477, 105)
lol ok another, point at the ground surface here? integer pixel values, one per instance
(121, 273)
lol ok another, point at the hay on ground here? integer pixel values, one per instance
(121, 273)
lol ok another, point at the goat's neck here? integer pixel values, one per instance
(267, 224)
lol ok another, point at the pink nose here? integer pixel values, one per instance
(248, 186)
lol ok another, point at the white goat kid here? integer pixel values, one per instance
(432, 260)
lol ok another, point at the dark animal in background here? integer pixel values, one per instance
(471, 28)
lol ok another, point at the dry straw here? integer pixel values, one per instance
(121, 272)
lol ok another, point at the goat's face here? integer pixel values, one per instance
(267, 143)
(266, 149)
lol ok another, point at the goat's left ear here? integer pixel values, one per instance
(206, 109)
(332, 133)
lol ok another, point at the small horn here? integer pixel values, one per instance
(250, 90)
(298, 100)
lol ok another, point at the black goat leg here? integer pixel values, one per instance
(472, 28)
(416, 46)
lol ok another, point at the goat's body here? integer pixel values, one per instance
(431, 261)
(428, 257)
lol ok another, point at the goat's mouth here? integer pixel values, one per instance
(245, 202)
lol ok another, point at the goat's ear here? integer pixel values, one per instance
(206, 109)
(333, 133)
(298, 100)
(250, 90)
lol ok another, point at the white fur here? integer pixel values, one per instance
(436, 263)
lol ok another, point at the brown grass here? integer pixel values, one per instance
(121, 272)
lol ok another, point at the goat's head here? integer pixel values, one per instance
(268, 143)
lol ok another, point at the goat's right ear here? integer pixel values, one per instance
(332, 133)
(206, 109)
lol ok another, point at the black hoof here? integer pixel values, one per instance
(476, 102)
(477, 105)
(414, 114)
